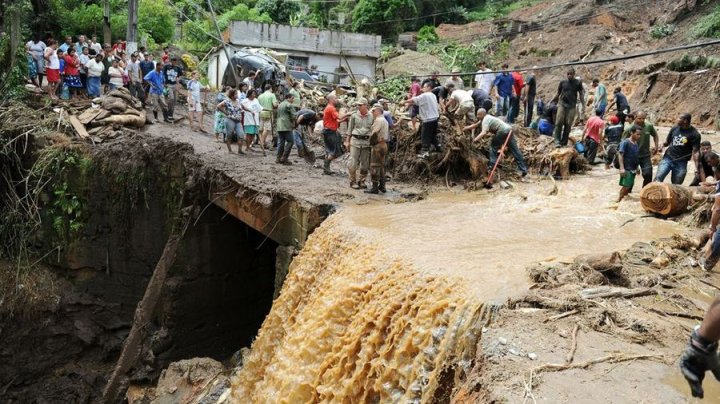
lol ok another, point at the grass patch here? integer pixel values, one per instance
(498, 9)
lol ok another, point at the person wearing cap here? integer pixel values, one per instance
(358, 139)
(379, 136)
(285, 124)
(172, 73)
(456, 80)
(613, 136)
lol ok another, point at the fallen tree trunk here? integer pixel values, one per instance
(132, 347)
(666, 199)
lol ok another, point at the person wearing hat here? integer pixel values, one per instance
(172, 73)
(379, 136)
(358, 138)
(456, 80)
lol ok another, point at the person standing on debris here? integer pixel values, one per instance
(515, 98)
(504, 87)
(628, 161)
(136, 79)
(234, 132)
(529, 92)
(569, 90)
(94, 69)
(358, 140)
(433, 80)
(285, 124)
(456, 80)
(52, 67)
(429, 110)
(683, 143)
(269, 103)
(645, 156)
(483, 78)
(331, 137)
(442, 94)
(591, 136)
(156, 81)
(463, 101)
(621, 104)
(379, 136)
(613, 136)
(706, 165)
(195, 110)
(172, 73)
(500, 132)
(600, 101)
(415, 90)
(481, 99)
(296, 94)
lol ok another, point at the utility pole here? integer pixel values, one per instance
(107, 34)
(132, 27)
(224, 45)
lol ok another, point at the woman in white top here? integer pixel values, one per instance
(251, 119)
(116, 75)
(52, 67)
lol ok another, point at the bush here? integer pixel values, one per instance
(498, 8)
(661, 31)
(427, 34)
(708, 26)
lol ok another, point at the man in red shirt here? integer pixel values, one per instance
(333, 141)
(592, 135)
(518, 84)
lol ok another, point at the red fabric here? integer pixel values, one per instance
(331, 117)
(165, 58)
(70, 66)
(518, 83)
(614, 120)
(594, 126)
(415, 90)
(53, 75)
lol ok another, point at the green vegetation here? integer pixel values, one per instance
(65, 209)
(708, 26)
(427, 34)
(394, 88)
(465, 57)
(378, 16)
(662, 30)
(498, 8)
(688, 63)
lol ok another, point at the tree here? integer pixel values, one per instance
(279, 10)
(381, 16)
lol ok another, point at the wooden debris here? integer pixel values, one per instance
(79, 127)
(665, 199)
(117, 110)
(607, 292)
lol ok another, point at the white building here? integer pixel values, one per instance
(336, 54)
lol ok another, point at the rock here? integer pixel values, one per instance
(502, 341)
(514, 352)
(532, 356)
(186, 380)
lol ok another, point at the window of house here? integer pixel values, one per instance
(298, 62)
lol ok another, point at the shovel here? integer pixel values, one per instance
(488, 184)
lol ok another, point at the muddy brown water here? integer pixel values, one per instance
(489, 240)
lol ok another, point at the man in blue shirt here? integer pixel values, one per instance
(628, 160)
(156, 81)
(503, 91)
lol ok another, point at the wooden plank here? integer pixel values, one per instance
(79, 127)
(88, 115)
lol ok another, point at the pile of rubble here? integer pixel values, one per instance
(115, 113)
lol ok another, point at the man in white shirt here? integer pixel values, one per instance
(484, 80)
(464, 102)
(429, 112)
(95, 45)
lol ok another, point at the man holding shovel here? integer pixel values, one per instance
(502, 138)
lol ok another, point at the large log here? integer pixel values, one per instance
(666, 199)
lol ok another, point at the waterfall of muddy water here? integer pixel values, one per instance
(384, 302)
